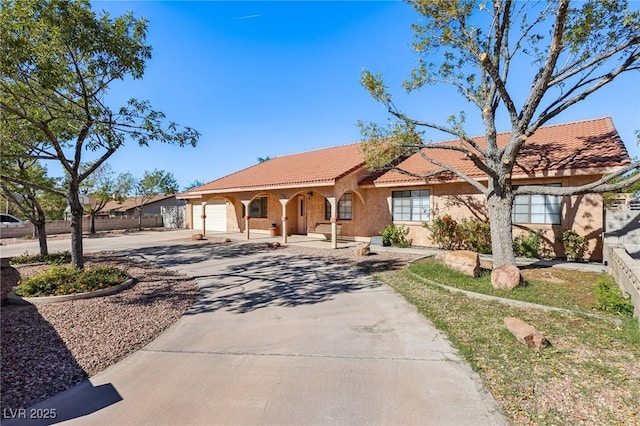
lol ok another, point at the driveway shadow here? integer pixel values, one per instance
(172, 255)
(269, 277)
(277, 280)
(46, 357)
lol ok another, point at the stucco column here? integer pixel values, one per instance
(334, 222)
(246, 204)
(203, 216)
(284, 219)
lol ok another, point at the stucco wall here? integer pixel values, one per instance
(372, 210)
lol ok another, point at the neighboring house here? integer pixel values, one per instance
(128, 208)
(331, 192)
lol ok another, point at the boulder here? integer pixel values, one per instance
(506, 277)
(363, 250)
(465, 261)
(197, 237)
(526, 334)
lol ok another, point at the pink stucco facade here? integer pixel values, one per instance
(304, 210)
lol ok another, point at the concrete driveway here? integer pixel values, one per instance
(282, 339)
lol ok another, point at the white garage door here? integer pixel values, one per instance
(216, 217)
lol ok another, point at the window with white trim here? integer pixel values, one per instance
(411, 206)
(541, 209)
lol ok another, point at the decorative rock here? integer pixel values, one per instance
(197, 237)
(506, 277)
(465, 261)
(526, 334)
(363, 250)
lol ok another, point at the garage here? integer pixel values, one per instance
(216, 220)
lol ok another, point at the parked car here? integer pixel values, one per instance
(10, 221)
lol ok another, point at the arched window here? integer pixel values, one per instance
(345, 207)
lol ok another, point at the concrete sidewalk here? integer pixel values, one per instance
(284, 339)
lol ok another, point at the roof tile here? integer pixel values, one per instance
(578, 145)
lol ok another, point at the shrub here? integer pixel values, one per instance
(475, 234)
(468, 234)
(396, 236)
(528, 245)
(58, 258)
(444, 232)
(611, 299)
(59, 280)
(575, 246)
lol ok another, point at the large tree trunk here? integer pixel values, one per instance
(500, 206)
(77, 258)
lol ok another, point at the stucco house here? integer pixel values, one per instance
(129, 206)
(330, 192)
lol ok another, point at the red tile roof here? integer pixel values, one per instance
(132, 202)
(319, 167)
(591, 146)
(587, 145)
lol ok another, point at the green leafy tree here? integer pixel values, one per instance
(25, 183)
(58, 59)
(26, 197)
(194, 184)
(103, 186)
(562, 51)
(153, 184)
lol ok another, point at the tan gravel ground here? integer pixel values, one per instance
(50, 348)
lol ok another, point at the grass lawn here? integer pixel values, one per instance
(590, 374)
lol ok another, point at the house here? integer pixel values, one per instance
(329, 192)
(129, 206)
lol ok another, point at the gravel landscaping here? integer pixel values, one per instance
(49, 348)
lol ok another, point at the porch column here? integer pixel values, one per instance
(203, 216)
(284, 219)
(246, 204)
(334, 222)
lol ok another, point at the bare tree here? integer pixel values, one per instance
(570, 51)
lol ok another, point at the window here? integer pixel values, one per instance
(537, 208)
(411, 205)
(258, 207)
(345, 207)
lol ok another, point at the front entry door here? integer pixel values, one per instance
(302, 216)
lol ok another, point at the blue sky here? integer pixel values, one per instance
(261, 79)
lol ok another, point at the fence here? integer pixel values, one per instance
(626, 271)
(622, 227)
(101, 224)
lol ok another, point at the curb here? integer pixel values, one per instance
(14, 299)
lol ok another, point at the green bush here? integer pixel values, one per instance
(396, 236)
(59, 280)
(575, 246)
(475, 234)
(58, 258)
(468, 234)
(444, 232)
(611, 299)
(528, 245)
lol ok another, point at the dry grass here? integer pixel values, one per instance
(589, 376)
